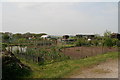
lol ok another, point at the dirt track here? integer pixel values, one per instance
(108, 69)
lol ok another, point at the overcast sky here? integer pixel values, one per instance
(60, 18)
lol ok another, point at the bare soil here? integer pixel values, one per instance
(108, 69)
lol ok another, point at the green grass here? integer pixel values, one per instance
(67, 67)
(68, 45)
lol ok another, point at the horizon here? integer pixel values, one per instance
(59, 34)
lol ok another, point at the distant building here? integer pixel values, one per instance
(45, 36)
(87, 36)
(53, 37)
(65, 37)
(68, 40)
(31, 37)
(115, 35)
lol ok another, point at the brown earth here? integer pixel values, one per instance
(108, 69)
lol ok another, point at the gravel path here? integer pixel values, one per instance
(108, 69)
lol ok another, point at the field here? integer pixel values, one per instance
(53, 58)
(66, 68)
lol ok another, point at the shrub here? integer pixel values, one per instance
(115, 41)
(81, 42)
(108, 42)
(46, 55)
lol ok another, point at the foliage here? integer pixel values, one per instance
(67, 67)
(6, 37)
(107, 33)
(4, 45)
(45, 55)
(66, 36)
(118, 43)
(21, 40)
(13, 68)
(108, 42)
(81, 42)
(95, 42)
(115, 41)
(17, 36)
(68, 46)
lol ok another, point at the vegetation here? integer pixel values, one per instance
(13, 68)
(32, 38)
(81, 42)
(67, 67)
(108, 42)
(105, 40)
(45, 57)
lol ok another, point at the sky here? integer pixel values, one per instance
(58, 18)
(59, 0)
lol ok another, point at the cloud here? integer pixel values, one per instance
(59, 18)
(0, 16)
(60, 0)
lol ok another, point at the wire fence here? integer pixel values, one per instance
(83, 52)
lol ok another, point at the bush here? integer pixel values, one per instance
(108, 42)
(13, 68)
(46, 55)
(4, 45)
(81, 42)
(95, 42)
(115, 41)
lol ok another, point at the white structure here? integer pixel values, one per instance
(89, 39)
(45, 36)
(15, 48)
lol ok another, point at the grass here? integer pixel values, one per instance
(68, 45)
(67, 67)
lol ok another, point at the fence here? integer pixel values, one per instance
(33, 44)
(73, 52)
(29, 57)
(83, 52)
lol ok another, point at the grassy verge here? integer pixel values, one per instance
(63, 68)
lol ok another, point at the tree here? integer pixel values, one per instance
(18, 35)
(6, 37)
(21, 40)
(80, 42)
(115, 41)
(108, 42)
(107, 33)
(66, 36)
(95, 42)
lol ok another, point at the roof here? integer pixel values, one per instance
(85, 34)
(45, 36)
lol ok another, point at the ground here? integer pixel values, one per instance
(107, 69)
